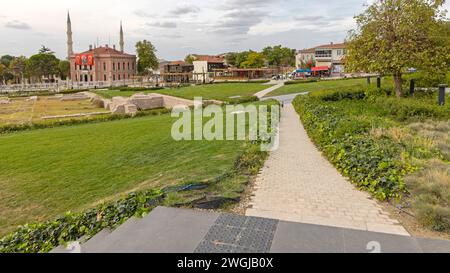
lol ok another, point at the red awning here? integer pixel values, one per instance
(320, 68)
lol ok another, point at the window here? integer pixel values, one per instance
(118, 66)
(123, 65)
(90, 67)
(323, 54)
(114, 66)
(104, 66)
(92, 78)
(104, 78)
(114, 77)
(118, 77)
(128, 65)
(132, 64)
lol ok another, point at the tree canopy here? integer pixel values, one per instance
(43, 64)
(279, 56)
(253, 60)
(394, 35)
(147, 59)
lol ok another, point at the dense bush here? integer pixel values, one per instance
(300, 81)
(250, 81)
(137, 89)
(431, 195)
(242, 100)
(424, 79)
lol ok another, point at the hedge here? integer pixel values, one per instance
(300, 81)
(102, 118)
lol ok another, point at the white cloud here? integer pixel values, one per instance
(176, 28)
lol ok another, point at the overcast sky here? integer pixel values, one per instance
(175, 27)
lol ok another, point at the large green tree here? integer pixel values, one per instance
(2, 70)
(279, 56)
(6, 74)
(147, 59)
(254, 60)
(42, 65)
(64, 69)
(394, 35)
(17, 67)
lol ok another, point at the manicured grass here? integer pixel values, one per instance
(317, 86)
(221, 92)
(44, 173)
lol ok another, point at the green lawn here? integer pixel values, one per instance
(316, 86)
(44, 173)
(221, 91)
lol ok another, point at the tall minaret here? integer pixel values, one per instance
(121, 43)
(69, 37)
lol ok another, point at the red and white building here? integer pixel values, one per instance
(100, 64)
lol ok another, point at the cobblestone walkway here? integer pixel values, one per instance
(298, 184)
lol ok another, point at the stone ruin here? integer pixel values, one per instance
(135, 103)
(5, 100)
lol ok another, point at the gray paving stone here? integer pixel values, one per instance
(357, 241)
(164, 230)
(304, 238)
(434, 246)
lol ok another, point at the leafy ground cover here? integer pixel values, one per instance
(396, 149)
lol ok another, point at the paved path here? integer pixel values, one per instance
(298, 184)
(264, 92)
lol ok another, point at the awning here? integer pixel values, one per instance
(303, 71)
(320, 68)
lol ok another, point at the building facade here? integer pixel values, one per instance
(329, 57)
(100, 64)
(176, 72)
(205, 65)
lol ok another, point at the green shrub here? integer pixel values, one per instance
(250, 81)
(242, 100)
(300, 81)
(430, 188)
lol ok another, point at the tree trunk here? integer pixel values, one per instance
(398, 85)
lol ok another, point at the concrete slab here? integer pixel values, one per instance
(433, 246)
(304, 238)
(356, 241)
(164, 230)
